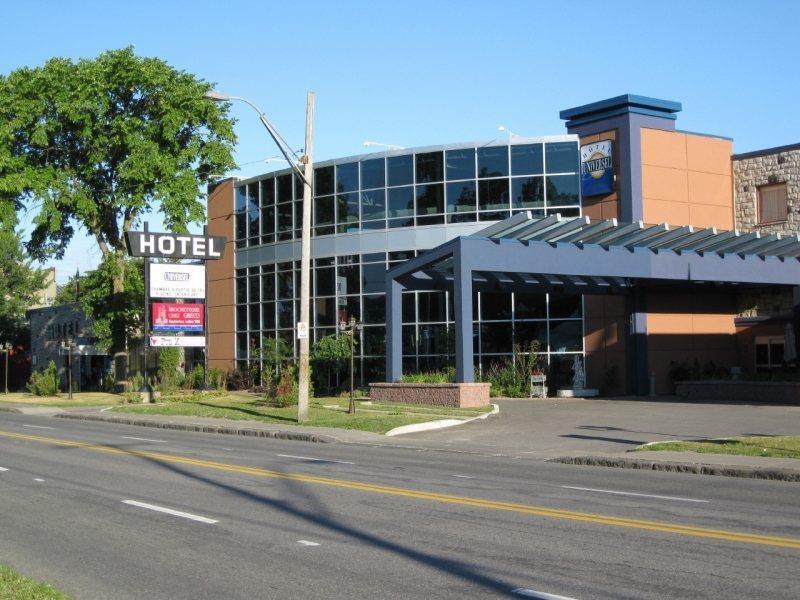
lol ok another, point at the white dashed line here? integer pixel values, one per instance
(539, 595)
(341, 462)
(3, 469)
(464, 476)
(38, 479)
(583, 489)
(38, 427)
(307, 543)
(170, 511)
(128, 437)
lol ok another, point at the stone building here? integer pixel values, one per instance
(52, 325)
(767, 199)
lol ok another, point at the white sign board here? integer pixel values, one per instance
(177, 281)
(302, 330)
(185, 341)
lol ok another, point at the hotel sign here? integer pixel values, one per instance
(178, 317)
(597, 169)
(175, 245)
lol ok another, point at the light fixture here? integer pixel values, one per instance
(368, 143)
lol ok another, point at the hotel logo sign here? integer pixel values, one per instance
(597, 168)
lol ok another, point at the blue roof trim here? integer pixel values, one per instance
(618, 105)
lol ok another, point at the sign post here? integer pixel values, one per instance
(179, 283)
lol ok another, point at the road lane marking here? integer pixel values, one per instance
(3, 469)
(585, 489)
(540, 511)
(138, 439)
(341, 462)
(307, 543)
(39, 479)
(464, 476)
(38, 427)
(539, 595)
(170, 511)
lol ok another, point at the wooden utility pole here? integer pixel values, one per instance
(305, 262)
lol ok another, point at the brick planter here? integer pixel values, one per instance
(458, 395)
(787, 392)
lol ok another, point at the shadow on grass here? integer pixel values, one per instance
(248, 411)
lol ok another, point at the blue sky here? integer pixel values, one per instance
(416, 73)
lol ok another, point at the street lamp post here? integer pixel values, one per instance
(68, 345)
(350, 327)
(306, 175)
(6, 348)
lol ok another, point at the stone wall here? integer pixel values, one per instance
(751, 171)
(779, 392)
(459, 395)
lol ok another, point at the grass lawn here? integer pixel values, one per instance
(777, 447)
(324, 412)
(78, 399)
(13, 585)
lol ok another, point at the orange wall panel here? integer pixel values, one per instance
(664, 149)
(661, 211)
(709, 154)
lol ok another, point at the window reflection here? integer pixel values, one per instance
(493, 161)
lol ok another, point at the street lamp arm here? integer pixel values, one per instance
(273, 133)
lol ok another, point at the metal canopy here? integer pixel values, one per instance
(578, 255)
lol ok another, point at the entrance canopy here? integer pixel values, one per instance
(554, 253)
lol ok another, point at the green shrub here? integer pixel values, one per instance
(197, 377)
(108, 382)
(44, 383)
(216, 379)
(330, 357)
(511, 377)
(447, 375)
(168, 373)
(287, 391)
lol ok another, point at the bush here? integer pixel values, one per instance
(511, 377)
(44, 383)
(446, 376)
(287, 391)
(108, 382)
(239, 379)
(330, 356)
(216, 379)
(197, 377)
(168, 374)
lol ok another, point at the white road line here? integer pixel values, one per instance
(38, 479)
(170, 511)
(341, 462)
(128, 437)
(464, 476)
(38, 427)
(540, 595)
(3, 469)
(307, 543)
(583, 489)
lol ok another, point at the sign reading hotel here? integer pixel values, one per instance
(597, 169)
(178, 317)
(175, 245)
(177, 281)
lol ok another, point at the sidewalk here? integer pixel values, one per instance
(534, 431)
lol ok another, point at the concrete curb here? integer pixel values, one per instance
(441, 424)
(9, 409)
(674, 467)
(200, 428)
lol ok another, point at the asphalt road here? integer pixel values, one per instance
(82, 506)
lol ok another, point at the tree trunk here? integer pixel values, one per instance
(118, 287)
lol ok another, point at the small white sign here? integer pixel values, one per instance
(177, 281)
(184, 341)
(302, 330)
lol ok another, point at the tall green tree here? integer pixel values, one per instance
(21, 284)
(99, 144)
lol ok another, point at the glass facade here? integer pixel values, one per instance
(440, 187)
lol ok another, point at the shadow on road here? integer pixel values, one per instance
(319, 515)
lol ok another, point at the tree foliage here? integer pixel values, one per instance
(102, 143)
(330, 355)
(116, 317)
(21, 284)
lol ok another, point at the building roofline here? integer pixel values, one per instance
(619, 105)
(514, 141)
(766, 151)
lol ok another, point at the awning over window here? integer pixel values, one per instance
(553, 253)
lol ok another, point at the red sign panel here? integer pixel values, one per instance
(178, 317)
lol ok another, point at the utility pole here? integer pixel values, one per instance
(305, 261)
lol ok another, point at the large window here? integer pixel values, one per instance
(772, 203)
